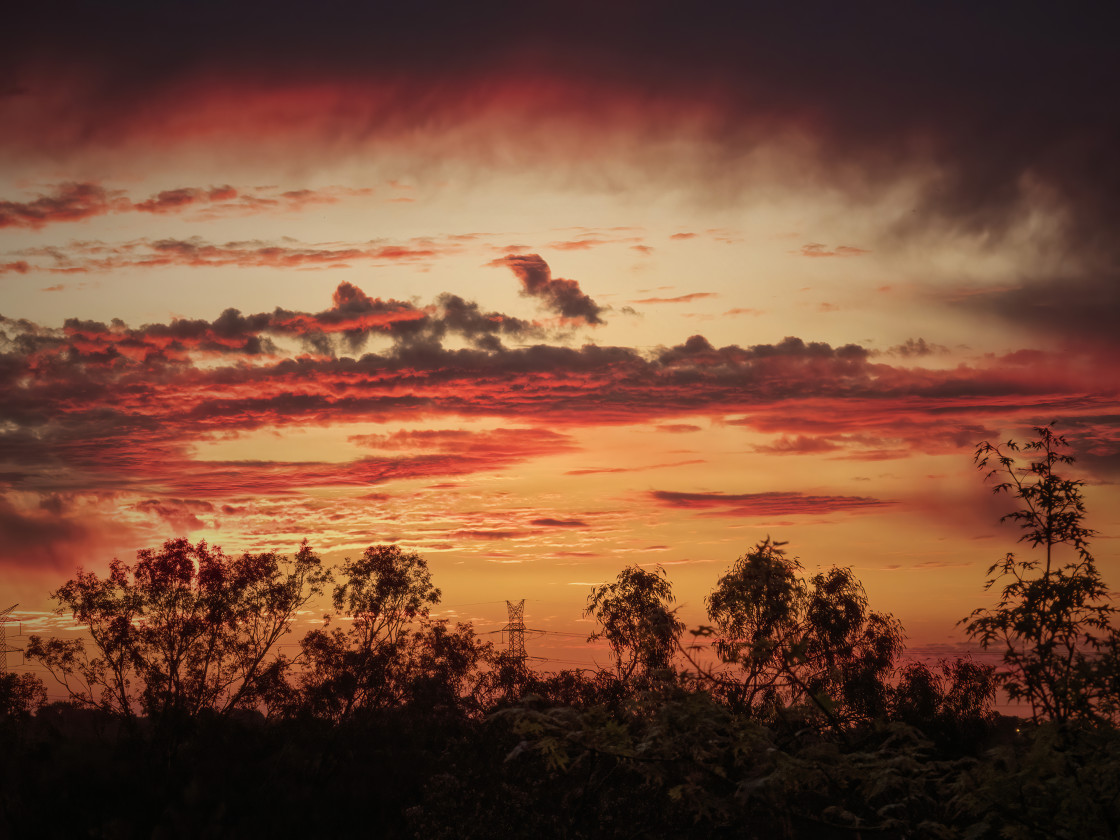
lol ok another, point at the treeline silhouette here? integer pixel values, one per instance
(793, 714)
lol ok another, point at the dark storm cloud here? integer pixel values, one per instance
(1002, 109)
(352, 319)
(1079, 308)
(564, 297)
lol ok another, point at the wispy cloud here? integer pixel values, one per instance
(77, 201)
(766, 504)
(81, 257)
(689, 298)
(816, 249)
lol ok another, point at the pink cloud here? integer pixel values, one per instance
(816, 249)
(195, 252)
(70, 202)
(689, 298)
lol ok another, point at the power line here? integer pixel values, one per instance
(471, 604)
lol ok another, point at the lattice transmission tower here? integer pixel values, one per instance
(4, 649)
(516, 629)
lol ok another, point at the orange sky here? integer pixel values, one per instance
(544, 292)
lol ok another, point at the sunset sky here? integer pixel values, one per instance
(542, 290)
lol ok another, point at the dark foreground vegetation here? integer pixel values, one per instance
(794, 714)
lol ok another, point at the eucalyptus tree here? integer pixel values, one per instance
(388, 653)
(637, 620)
(797, 643)
(1053, 622)
(184, 629)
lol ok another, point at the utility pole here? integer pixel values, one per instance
(4, 649)
(516, 630)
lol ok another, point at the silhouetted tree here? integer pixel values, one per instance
(186, 628)
(951, 703)
(390, 654)
(20, 695)
(441, 671)
(1053, 619)
(795, 642)
(636, 619)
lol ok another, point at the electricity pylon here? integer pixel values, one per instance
(516, 630)
(4, 649)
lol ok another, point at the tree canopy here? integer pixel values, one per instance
(637, 621)
(1053, 621)
(185, 628)
(794, 641)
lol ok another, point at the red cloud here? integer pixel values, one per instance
(103, 407)
(561, 296)
(70, 203)
(490, 535)
(549, 522)
(92, 256)
(799, 445)
(604, 470)
(576, 244)
(679, 299)
(180, 514)
(765, 504)
(497, 446)
(172, 201)
(354, 314)
(76, 201)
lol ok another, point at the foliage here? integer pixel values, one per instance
(185, 629)
(383, 591)
(443, 668)
(1050, 782)
(20, 695)
(951, 703)
(795, 642)
(1053, 619)
(390, 653)
(677, 763)
(638, 623)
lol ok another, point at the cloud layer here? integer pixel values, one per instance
(95, 406)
